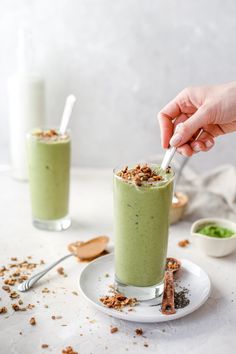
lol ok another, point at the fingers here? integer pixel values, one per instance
(165, 117)
(185, 150)
(184, 131)
(166, 127)
(204, 143)
(181, 104)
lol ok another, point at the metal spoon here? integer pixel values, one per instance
(171, 151)
(175, 200)
(168, 300)
(27, 284)
(82, 250)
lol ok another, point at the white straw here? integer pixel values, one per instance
(70, 101)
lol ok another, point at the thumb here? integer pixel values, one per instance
(184, 131)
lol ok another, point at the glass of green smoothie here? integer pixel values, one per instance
(142, 200)
(49, 178)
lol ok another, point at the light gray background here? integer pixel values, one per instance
(123, 59)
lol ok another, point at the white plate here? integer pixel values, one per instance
(94, 283)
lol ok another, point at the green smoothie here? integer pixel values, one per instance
(49, 173)
(141, 214)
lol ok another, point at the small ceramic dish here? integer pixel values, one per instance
(177, 210)
(214, 246)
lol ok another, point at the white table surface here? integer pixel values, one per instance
(211, 329)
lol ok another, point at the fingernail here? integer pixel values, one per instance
(178, 127)
(209, 143)
(196, 148)
(176, 139)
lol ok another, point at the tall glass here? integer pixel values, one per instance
(141, 220)
(49, 179)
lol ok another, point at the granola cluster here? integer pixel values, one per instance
(172, 264)
(118, 301)
(139, 174)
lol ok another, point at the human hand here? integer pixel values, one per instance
(212, 108)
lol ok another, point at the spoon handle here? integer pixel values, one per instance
(26, 285)
(168, 157)
(168, 301)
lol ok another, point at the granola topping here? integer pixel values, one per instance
(50, 135)
(143, 174)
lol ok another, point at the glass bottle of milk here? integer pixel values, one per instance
(26, 105)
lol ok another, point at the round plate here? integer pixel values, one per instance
(99, 274)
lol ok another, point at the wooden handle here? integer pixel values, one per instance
(168, 301)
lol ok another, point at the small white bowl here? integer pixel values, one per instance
(214, 246)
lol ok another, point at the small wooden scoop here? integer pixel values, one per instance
(89, 249)
(168, 300)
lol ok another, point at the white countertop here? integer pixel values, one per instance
(210, 330)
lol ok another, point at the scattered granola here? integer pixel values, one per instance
(114, 329)
(2, 271)
(6, 288)
(75, 293)
(118, 301)
(139, 331)
(44, 346)
(69, 350)
(45, 291)
(3, 310)
(56, 317)
(14, 295)
(16, 272)
(60, 271)
(183, 243)
(30, 306)
(10, 281)
(15, 307)
(139, 174)
(32, 321)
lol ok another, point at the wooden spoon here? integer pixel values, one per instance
(168, 300)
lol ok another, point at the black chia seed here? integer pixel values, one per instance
(181, 299)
